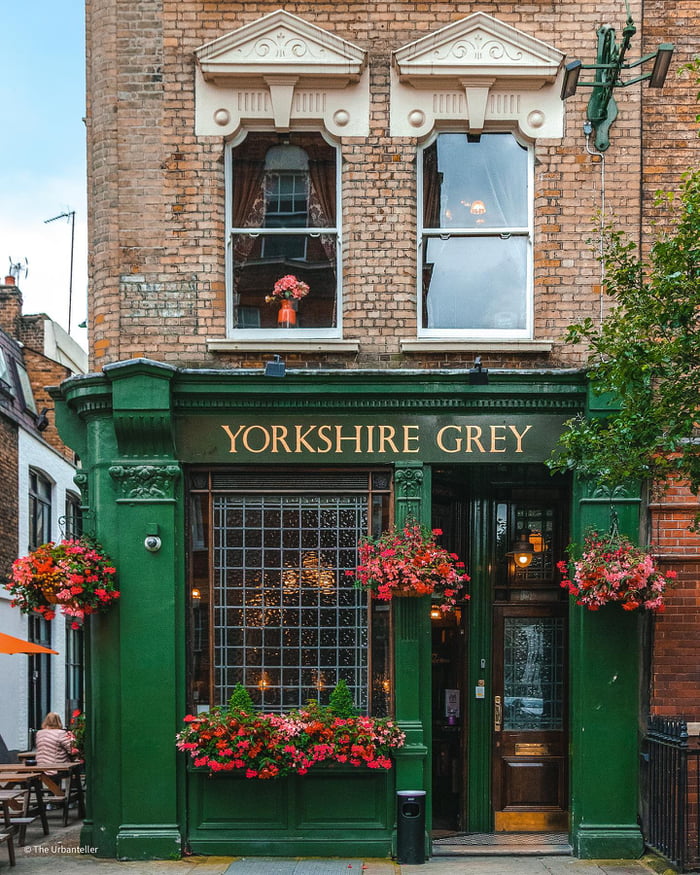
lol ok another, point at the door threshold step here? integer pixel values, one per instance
(502, 844)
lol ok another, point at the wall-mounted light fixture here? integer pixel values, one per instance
(275, 368)
(610, 62)
(478, 376)
(522, 552)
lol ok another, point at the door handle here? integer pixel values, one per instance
(497, 713)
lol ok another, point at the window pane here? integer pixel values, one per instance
(261, 260)
(475, 184)
(532, 673)
(288, 622)
(475, 283)
(283, 184)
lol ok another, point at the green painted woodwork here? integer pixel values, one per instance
(304, 438)
(479, 711)
(316, 814)
(412, 649)
(605, 656)
(142, 801)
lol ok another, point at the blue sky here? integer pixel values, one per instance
(42, 154)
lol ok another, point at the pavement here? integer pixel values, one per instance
(60, 853)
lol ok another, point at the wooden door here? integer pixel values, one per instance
(530, 762)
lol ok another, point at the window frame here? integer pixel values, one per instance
(37, 503)
(424, 234)
(230, 231)
(202, 485)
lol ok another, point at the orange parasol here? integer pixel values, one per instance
(10, 644)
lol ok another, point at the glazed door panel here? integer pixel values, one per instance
(529, 719)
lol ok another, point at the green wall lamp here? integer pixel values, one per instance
(610, 62)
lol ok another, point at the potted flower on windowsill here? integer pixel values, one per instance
(409, 562)
(288, 290)
(245, 741)
(613, 570)
(73, 575)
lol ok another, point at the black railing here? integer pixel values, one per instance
(671, 787)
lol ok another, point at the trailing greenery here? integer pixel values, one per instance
(646, 355)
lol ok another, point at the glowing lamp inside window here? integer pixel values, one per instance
(478, 208)
(523, 551)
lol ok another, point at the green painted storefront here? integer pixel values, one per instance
(141, 428)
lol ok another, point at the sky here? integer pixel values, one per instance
(42, 156)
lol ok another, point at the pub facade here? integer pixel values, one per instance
(419, 186)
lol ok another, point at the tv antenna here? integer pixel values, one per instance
(17, 268)
(70, 215)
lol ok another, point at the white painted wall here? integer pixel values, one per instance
(14, 702)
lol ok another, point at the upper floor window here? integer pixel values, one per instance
(26, 386)
(282, 220)
(476, 237)
(73, 516)
(40, 488)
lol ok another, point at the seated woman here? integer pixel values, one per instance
(53, 743)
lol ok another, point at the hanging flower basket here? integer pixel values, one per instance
(240, 739)
(614, 570)
(74, 575)
(409, 562)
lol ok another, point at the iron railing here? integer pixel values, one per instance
(671, 791)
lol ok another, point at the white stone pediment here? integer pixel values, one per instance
(280, 43)
(477, 74)
(478, 45)
(279, 71)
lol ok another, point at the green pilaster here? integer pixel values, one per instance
(479, 813)
(605, 656)
(412, 648)
(134, 653)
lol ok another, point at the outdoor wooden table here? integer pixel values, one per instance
(31, 778)
(7, 797)
(73, 792)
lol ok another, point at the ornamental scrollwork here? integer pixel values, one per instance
(145, 482)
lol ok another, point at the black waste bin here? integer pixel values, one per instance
(410, 826)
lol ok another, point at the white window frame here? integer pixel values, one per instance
(423, 234)
(282, 334)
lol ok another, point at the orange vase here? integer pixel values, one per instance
(287, 317)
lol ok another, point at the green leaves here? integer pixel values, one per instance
(646, 354)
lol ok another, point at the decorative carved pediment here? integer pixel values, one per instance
(477, 71)
(278, 69)
(479, 45)
(282, 43)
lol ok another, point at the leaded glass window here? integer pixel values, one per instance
(271, 604)
(533, 674)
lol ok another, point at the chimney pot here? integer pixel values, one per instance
(9, 280)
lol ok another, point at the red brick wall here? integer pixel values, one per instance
(9, 515)
(675, 679)
(157, 191)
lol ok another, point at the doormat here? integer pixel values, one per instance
(276, 866)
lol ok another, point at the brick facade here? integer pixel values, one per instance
(9, 518)
(157, 200)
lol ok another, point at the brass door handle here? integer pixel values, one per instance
(497, 713)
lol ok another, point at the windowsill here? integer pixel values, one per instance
(270, 344)
(445, 344)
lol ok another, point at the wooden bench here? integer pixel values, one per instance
(7, 837)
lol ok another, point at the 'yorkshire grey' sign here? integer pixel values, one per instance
(366, 438)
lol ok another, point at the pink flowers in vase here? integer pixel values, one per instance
(288, 288)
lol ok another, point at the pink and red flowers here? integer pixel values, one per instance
(410, 562)
(268, 746)
(74, 575)
(288, 288)
(612, 569)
